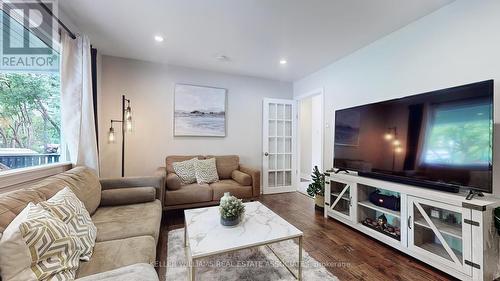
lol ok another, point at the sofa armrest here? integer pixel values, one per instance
(255, 174)
(131, 182)
(173, 182)
(241, 178)
(127, 196)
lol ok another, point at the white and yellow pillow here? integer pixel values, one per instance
(206, 171)
(38, 246)
(185, 170)
(69, 209)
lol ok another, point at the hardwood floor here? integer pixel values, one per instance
(348, 254)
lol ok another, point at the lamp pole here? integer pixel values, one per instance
(123, 135)
(126, 123)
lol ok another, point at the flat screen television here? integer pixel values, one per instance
(441, 139)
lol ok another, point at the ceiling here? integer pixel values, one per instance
(254, 34)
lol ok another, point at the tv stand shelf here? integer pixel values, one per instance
(442, 229)
(374, 207)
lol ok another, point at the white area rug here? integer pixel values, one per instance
(251, 264)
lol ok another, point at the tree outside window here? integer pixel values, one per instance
(30, 123)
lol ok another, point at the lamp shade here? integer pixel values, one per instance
(111, 135)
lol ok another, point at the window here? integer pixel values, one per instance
(30, 119)
(460, 135)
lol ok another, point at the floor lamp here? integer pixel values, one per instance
(126, 125)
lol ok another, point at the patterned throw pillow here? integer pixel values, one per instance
(38, 246)
(206, 171)
(68, 208)
(185, 170)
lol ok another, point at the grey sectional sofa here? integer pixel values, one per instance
(127, 213)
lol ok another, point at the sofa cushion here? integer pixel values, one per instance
(176, 158)
(191, 193)
(81, 180)
(12, 203)
(241, 178)
(126, 221)
(69, 209)
(109, 255)
(135, 272)
(206, 171)
(127, 195)
(86, 186)
(173, 181)
(226, 164)
(237, 190)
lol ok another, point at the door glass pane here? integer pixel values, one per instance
(272, 145)
(288, 128)
(280, 129)
(288, 112)
(272, 128)
(281, 145)
(280, 112)
(288, 161)
(288, 145)
(449, 225)
(288, 178)
(272, 162)
(343, 204)
(280, 178)
(272, 111)
(272, 179)
(281, 161)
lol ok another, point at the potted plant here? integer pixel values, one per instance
(231, 210)
(317, 188)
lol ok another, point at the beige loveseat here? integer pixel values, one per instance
(127, 213)
(241, 181)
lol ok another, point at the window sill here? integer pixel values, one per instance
(18, 178)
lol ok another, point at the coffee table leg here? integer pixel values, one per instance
(192, 268)
(300, 259)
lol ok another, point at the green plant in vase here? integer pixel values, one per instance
(231, 210)
(317, 188)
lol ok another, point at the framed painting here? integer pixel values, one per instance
(199, 111)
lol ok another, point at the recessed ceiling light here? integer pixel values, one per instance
(159, 38)
(283, 61)
(222, 58)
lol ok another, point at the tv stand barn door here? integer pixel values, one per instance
(440, 232)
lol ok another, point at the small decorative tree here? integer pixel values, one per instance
(317, 188)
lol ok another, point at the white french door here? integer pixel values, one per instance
(279, 151)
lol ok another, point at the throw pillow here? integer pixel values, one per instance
(185, 170)
(206, 171)
(38, 246)
(68, 208)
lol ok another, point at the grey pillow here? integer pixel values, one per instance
(185, 170)
(206, 171)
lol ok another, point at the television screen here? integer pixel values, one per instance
(441, 139)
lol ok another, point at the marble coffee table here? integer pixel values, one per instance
(205, 236)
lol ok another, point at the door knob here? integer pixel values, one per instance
(266, 154)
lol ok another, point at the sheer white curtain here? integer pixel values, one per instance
(77, 108)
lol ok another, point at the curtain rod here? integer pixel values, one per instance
(70, 33)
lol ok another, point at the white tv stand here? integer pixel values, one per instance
(442, 229)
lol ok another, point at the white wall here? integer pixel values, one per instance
(305, 137)
(316, 134)
(455, 45)
(151, 87)
(310, 134)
